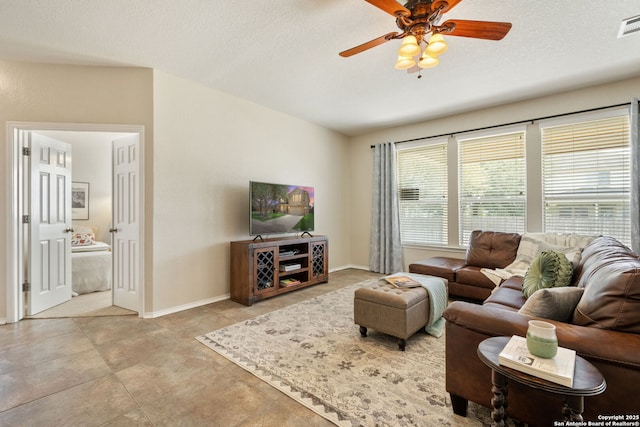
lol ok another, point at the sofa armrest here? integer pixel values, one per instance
(592, 343)
(486, 320)
(444, 267)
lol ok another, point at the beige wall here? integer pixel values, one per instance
(199, 159)
(360, 151)
(68, 94)
(208, 146)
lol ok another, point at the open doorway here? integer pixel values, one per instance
(92, 201)
(111, 189)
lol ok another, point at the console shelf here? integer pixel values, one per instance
(266, 268)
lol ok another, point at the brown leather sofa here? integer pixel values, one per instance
(604, 329)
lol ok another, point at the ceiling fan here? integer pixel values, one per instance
(419, 18)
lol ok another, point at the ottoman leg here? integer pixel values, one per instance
(363, 331)
(402, 344)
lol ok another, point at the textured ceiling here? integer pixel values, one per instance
(283, 54)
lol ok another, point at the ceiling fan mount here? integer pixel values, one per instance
(419, 18)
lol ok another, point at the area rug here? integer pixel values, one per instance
(313, 352)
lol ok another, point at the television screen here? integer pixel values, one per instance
(279, 208)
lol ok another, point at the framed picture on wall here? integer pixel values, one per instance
(80, 200)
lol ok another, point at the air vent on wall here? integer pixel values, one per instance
(409, 194)
(629, 26)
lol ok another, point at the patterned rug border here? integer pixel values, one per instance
(305, 397)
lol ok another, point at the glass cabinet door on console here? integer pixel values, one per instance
(319, 267)
(264, 271)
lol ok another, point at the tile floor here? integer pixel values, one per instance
(122, 370)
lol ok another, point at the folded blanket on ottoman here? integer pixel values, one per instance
(438, 299)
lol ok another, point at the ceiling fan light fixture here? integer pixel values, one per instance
(404, 62)
(436, 45)
(418, 20)
(428, 61)
(409, 47)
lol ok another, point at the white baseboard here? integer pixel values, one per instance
(183, 307)
(344, 267)
(178, 308)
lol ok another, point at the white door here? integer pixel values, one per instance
(49, 271)
(125, 231)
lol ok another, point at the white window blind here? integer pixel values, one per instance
(491, 184)
(586, 177)
(422, 192)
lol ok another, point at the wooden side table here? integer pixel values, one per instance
(587, 381)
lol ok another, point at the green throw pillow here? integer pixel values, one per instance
(547, 270)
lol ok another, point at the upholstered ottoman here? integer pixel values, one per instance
(399, 312)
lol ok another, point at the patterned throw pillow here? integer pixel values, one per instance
(82, 239)
(547, 270)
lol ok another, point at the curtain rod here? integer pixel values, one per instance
(513, 123)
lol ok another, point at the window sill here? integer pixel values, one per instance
(436, 248)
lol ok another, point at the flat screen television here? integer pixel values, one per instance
(280, 208)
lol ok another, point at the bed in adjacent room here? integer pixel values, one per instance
(91, 263)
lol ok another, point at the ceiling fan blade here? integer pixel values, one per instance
(392, 7)
(447, 5)
(476, 29)
(368, 45)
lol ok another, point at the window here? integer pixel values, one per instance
(491, 193)
(576, 168)
(586, 177)
(422, 190)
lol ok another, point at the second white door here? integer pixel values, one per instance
(125, 231)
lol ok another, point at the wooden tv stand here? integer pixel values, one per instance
(266, 268)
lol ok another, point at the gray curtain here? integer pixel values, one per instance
(385, 250)
(635, 176)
